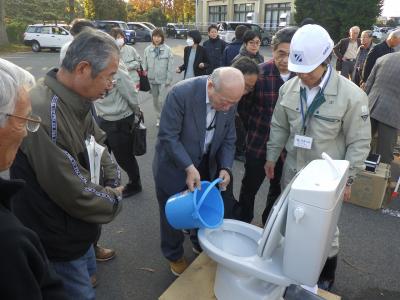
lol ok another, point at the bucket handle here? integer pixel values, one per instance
(208, 189)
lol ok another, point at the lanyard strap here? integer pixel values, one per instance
(318, 100)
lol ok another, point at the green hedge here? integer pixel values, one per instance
(15, 31)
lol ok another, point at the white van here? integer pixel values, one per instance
(51, 36)
(226, 31)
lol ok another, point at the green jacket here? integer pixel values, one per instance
(56, 154)
(132, 60)
(340, 126)
(159, 68)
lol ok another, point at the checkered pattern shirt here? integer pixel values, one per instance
(256, 111)
(361, 57)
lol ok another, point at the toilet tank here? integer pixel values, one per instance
(315, 200)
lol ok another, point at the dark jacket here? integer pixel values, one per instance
(340, 49)
(60, 202)
(379, 50)
(25, 272)
(257, 58)
(215, 49)
(200, 57)
(231, 50)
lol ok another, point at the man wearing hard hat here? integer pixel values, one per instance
(318, 111)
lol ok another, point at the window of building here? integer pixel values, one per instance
(273, 13)
(241, 11)
(216, 13)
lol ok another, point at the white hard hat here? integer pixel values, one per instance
(310, 46)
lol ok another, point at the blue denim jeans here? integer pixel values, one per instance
(75, 275)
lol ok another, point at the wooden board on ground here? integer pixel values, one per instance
(197, 283)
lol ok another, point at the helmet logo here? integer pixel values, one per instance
(298, 56)
(326, 49)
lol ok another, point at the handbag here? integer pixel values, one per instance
(139, 144)
(144, 84)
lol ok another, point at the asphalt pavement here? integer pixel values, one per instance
(369, 259)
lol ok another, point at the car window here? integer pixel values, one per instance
(56, 30)
(107, 27)
(101, 26)
(63, 31)
(231, 26)
(45, 30)
(123, 26)
(151, 26)
(255, 28)
(32, 29)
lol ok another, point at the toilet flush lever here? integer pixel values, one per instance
(298, 214)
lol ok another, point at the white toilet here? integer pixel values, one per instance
(257, 264)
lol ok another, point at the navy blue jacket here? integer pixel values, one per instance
(230, 52)
(214, 49)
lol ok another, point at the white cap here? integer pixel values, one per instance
(310, 46)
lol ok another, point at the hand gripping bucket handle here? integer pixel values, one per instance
(208, 189)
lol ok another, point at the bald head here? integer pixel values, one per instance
(225, 88)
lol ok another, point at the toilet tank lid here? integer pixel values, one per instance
(320, 178)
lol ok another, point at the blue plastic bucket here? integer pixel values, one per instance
(198, 209)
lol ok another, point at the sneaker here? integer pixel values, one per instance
(178, 266)
(104, 254)
(130, 190)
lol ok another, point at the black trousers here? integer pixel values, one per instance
(119, 141)
(240, 136)
(254, 176)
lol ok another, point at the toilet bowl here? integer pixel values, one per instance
(249, 259)
(258, 264)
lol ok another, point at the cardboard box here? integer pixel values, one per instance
(370, 189)
(197, 283)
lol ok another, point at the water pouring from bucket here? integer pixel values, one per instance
(198, 209)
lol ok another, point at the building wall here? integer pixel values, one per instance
(228, 10)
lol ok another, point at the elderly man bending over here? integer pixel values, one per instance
(196, 141)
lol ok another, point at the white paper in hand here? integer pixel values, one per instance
(95, 151)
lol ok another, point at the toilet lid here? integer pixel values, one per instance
(275, 226)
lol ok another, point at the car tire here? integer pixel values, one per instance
(36, 46)
(265, 42)
(147, 39)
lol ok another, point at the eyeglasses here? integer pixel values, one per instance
(254, 43)
(111, 82)
(33, 121)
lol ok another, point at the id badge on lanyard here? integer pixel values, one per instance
(302, 140)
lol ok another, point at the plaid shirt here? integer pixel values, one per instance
(256, 110)
(361, 56)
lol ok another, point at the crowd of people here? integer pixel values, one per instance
(277, 116)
